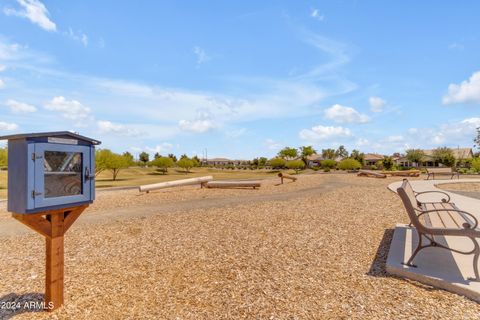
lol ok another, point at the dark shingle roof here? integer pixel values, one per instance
(49, 134)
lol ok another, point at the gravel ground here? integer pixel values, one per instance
(464, 186)
(297, 251)
(469, 189)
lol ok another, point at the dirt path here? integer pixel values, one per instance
(12, 228)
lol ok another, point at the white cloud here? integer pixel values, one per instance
(5, 126)
(202, 123)
(456, 46)
(466, 92)
(80, 36)
(273, 145)
(361, 142)
(2, 84)
(319, 133)
(316, 15)
(164, 147)
(116, 128)
(376, 104)
(35, 11)
(342, 114)
(235, 133)
(20, 107)
(8, 51)
(197, 126)
(69, 109)
(202, 56)
(397, 138)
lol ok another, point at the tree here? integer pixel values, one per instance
(116, 163)
(185, 163)
(296, 165)
(102, 159)
(415, 155)
(359, 156)
(163, 163)
(477, 139)
(288, 152)
(144, 157)
(444, 156)
(173, 157)
(196, 161)
(305, 152)
(3, 157)
(262, 161)
(388, 163)
(129, 156)
(349, 164)
(156, 155)
(341, 152)
(328, 153)
(277, 163)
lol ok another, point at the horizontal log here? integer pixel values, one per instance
(286, 176)
(403, 173)
(369, 173)
(233, 184)
(175, 183)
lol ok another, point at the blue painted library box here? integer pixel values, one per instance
(51, 170)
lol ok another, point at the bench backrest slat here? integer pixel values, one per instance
(439, 170)
(407, 195)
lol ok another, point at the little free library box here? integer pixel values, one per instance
(50, 170)
(51, 181)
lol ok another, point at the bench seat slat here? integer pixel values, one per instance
(446, 219)
(439, 219)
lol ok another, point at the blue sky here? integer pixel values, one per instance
(243, 79)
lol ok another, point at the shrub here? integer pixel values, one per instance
(373, 167)
(388, 163)
(277, 163)
(326, 170)
(475, 164)
(328, 163)
(296, 165)
(349, 164)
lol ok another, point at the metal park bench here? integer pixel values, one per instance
(442, 172)
(443, 218)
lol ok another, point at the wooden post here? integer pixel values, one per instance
(286, 176)
(54, 262)
(53, 227)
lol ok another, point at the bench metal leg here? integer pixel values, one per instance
(475, 260)
(417, 250)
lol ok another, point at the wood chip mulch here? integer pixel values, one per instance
(312, 256)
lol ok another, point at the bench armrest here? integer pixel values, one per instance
(465, 225)
(447, 200)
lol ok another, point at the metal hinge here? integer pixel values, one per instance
(34, 194)
(35, 156)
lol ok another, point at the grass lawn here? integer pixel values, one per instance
(139, 176)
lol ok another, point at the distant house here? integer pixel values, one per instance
(217, 162)
(221, 162)
(429, 161)
(371, 159)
